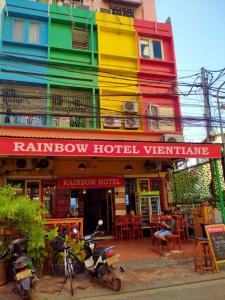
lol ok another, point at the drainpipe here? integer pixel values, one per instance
(219, 190)
(223, 146)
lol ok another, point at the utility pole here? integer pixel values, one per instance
(221, 125)
(208, 117)
(214, 168)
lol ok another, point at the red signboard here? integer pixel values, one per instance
(90, 182)
(215, 228)
(18, 146)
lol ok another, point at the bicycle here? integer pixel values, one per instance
(60, 245)
(68, 269)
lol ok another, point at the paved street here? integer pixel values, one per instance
(156, 279)
(206, 290)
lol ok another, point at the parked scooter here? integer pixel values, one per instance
(102, 262)
(23, 271)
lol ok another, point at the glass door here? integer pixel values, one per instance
(145, 210)
(33, 189)
(155, 206)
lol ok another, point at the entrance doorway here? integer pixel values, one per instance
(98, 204)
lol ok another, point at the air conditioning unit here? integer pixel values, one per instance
(132, 123)
(112, 121)
(23, 164)
(152, 165)
(173, 138)
(43, 163)
(130, 107)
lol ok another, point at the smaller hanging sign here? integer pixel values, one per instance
(90, 182)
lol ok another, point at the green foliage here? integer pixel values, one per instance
(77, 248)
(26, 217)
(195, 185)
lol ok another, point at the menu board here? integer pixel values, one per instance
(216, 236)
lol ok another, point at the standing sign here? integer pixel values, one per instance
(216, 237)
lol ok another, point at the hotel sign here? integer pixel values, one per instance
(54, 147)
(90, 182)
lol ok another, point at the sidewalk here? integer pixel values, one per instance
(156, 270)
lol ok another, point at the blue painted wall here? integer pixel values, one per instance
(28, 59)
(28, 12)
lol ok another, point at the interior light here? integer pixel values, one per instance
(82, 166)
(128, 168)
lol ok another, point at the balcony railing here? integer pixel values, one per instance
(22, 105)
(127, 2)
(73, 4)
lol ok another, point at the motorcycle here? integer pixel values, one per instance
(102, 262)
(23, 271)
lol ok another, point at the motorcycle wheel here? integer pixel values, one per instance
(27, 295)
(116, 284)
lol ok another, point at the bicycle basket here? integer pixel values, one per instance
(57, 244)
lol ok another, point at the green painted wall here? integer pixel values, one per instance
(73, 68)
(62, 19)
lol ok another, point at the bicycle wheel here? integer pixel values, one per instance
(70, 275)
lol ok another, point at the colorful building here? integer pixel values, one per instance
(88, 101)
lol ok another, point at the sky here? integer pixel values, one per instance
(199, 37)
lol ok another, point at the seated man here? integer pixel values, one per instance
(168, 227)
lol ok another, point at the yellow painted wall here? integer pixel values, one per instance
(117, 44)
(118, 65)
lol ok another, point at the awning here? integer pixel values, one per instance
(69, 147)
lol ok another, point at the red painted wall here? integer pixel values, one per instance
(156, 77)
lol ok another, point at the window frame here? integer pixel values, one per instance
(29, 31)
(86, 31)
(26, 31)
(151, 48)
(151, 121)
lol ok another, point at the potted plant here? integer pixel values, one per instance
(76, 248)
(3, 254)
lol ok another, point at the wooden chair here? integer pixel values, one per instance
(154, 225)
(136, 227)
(183, 230)
(118, 227)
(174, 240)
(203, 260)
(125, 228)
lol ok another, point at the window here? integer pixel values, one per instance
(34, 32)
(153, 117)
(80, 38)
(57, 101)
(17, 100)
(26, 31)
(73, 107)
(18, 30)
(151, 48)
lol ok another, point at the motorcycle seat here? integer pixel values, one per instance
(99, 251)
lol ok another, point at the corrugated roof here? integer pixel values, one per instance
(46, 133)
